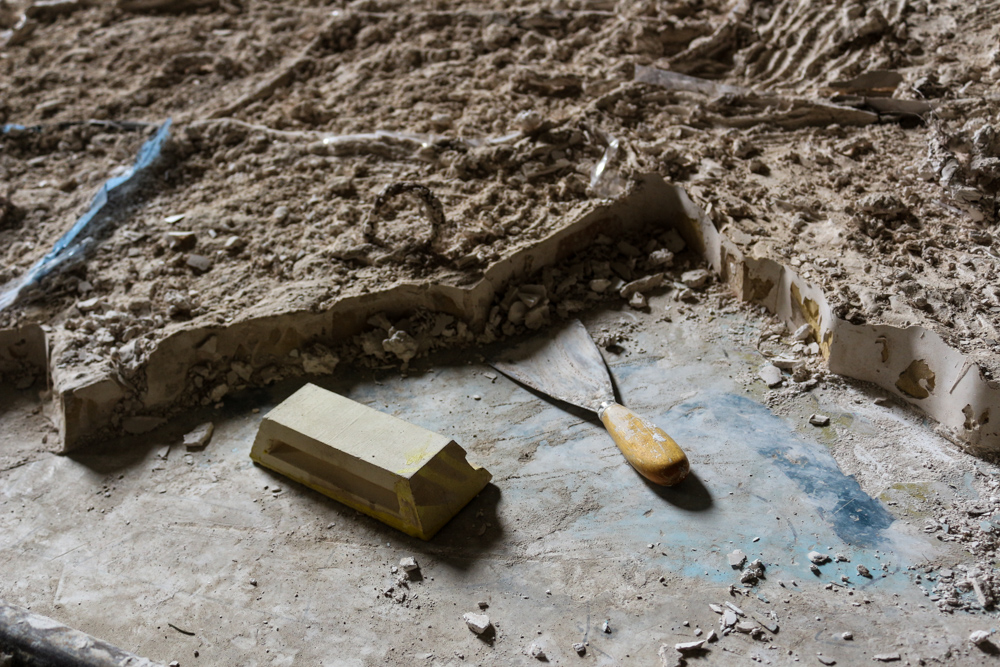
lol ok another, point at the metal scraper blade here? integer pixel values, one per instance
(565, 365)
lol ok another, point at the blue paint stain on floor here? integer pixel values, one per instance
(855, 517)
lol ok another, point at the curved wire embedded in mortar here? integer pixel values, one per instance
(432, 205)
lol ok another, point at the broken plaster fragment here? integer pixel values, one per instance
(819, 420)
(535, 651)
(696, 279)
(600, 285)
(979, 637)
(409, 564)
(642, 285)
(401, 344)
(863, 571)
(637, 301)
(688, 647)
(580, 648)
(771, 375)
(537, 317)
(887, 657)
(737, 558)
(818, 558)
(199, 263)
(478, 623)
(199, 437)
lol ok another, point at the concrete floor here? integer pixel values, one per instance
(160, 556)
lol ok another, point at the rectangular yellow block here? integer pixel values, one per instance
(413, 479)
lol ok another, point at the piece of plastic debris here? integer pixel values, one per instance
(606, 627)
(478, 623)
(604, 180)
(73, 245)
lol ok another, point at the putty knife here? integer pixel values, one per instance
(570, 368)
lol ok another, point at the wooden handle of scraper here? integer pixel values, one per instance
(646, 446)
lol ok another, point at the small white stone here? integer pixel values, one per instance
(696, 279)
(818, 558)
(600, 285)
(528, 121)
(847, 635)
(661, 258)
(771, 375)
(687, 647)
(478, 623)
(802, 333)
(979, 636)
(737, 558)
(535, 651)
(89, 304)
(786, 363)
(199, 262)
(409, 564)
(637, 301)
(200, 436)
(819, 420)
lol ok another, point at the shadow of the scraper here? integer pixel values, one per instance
(691, 494)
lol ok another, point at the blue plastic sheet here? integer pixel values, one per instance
(74, 243)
